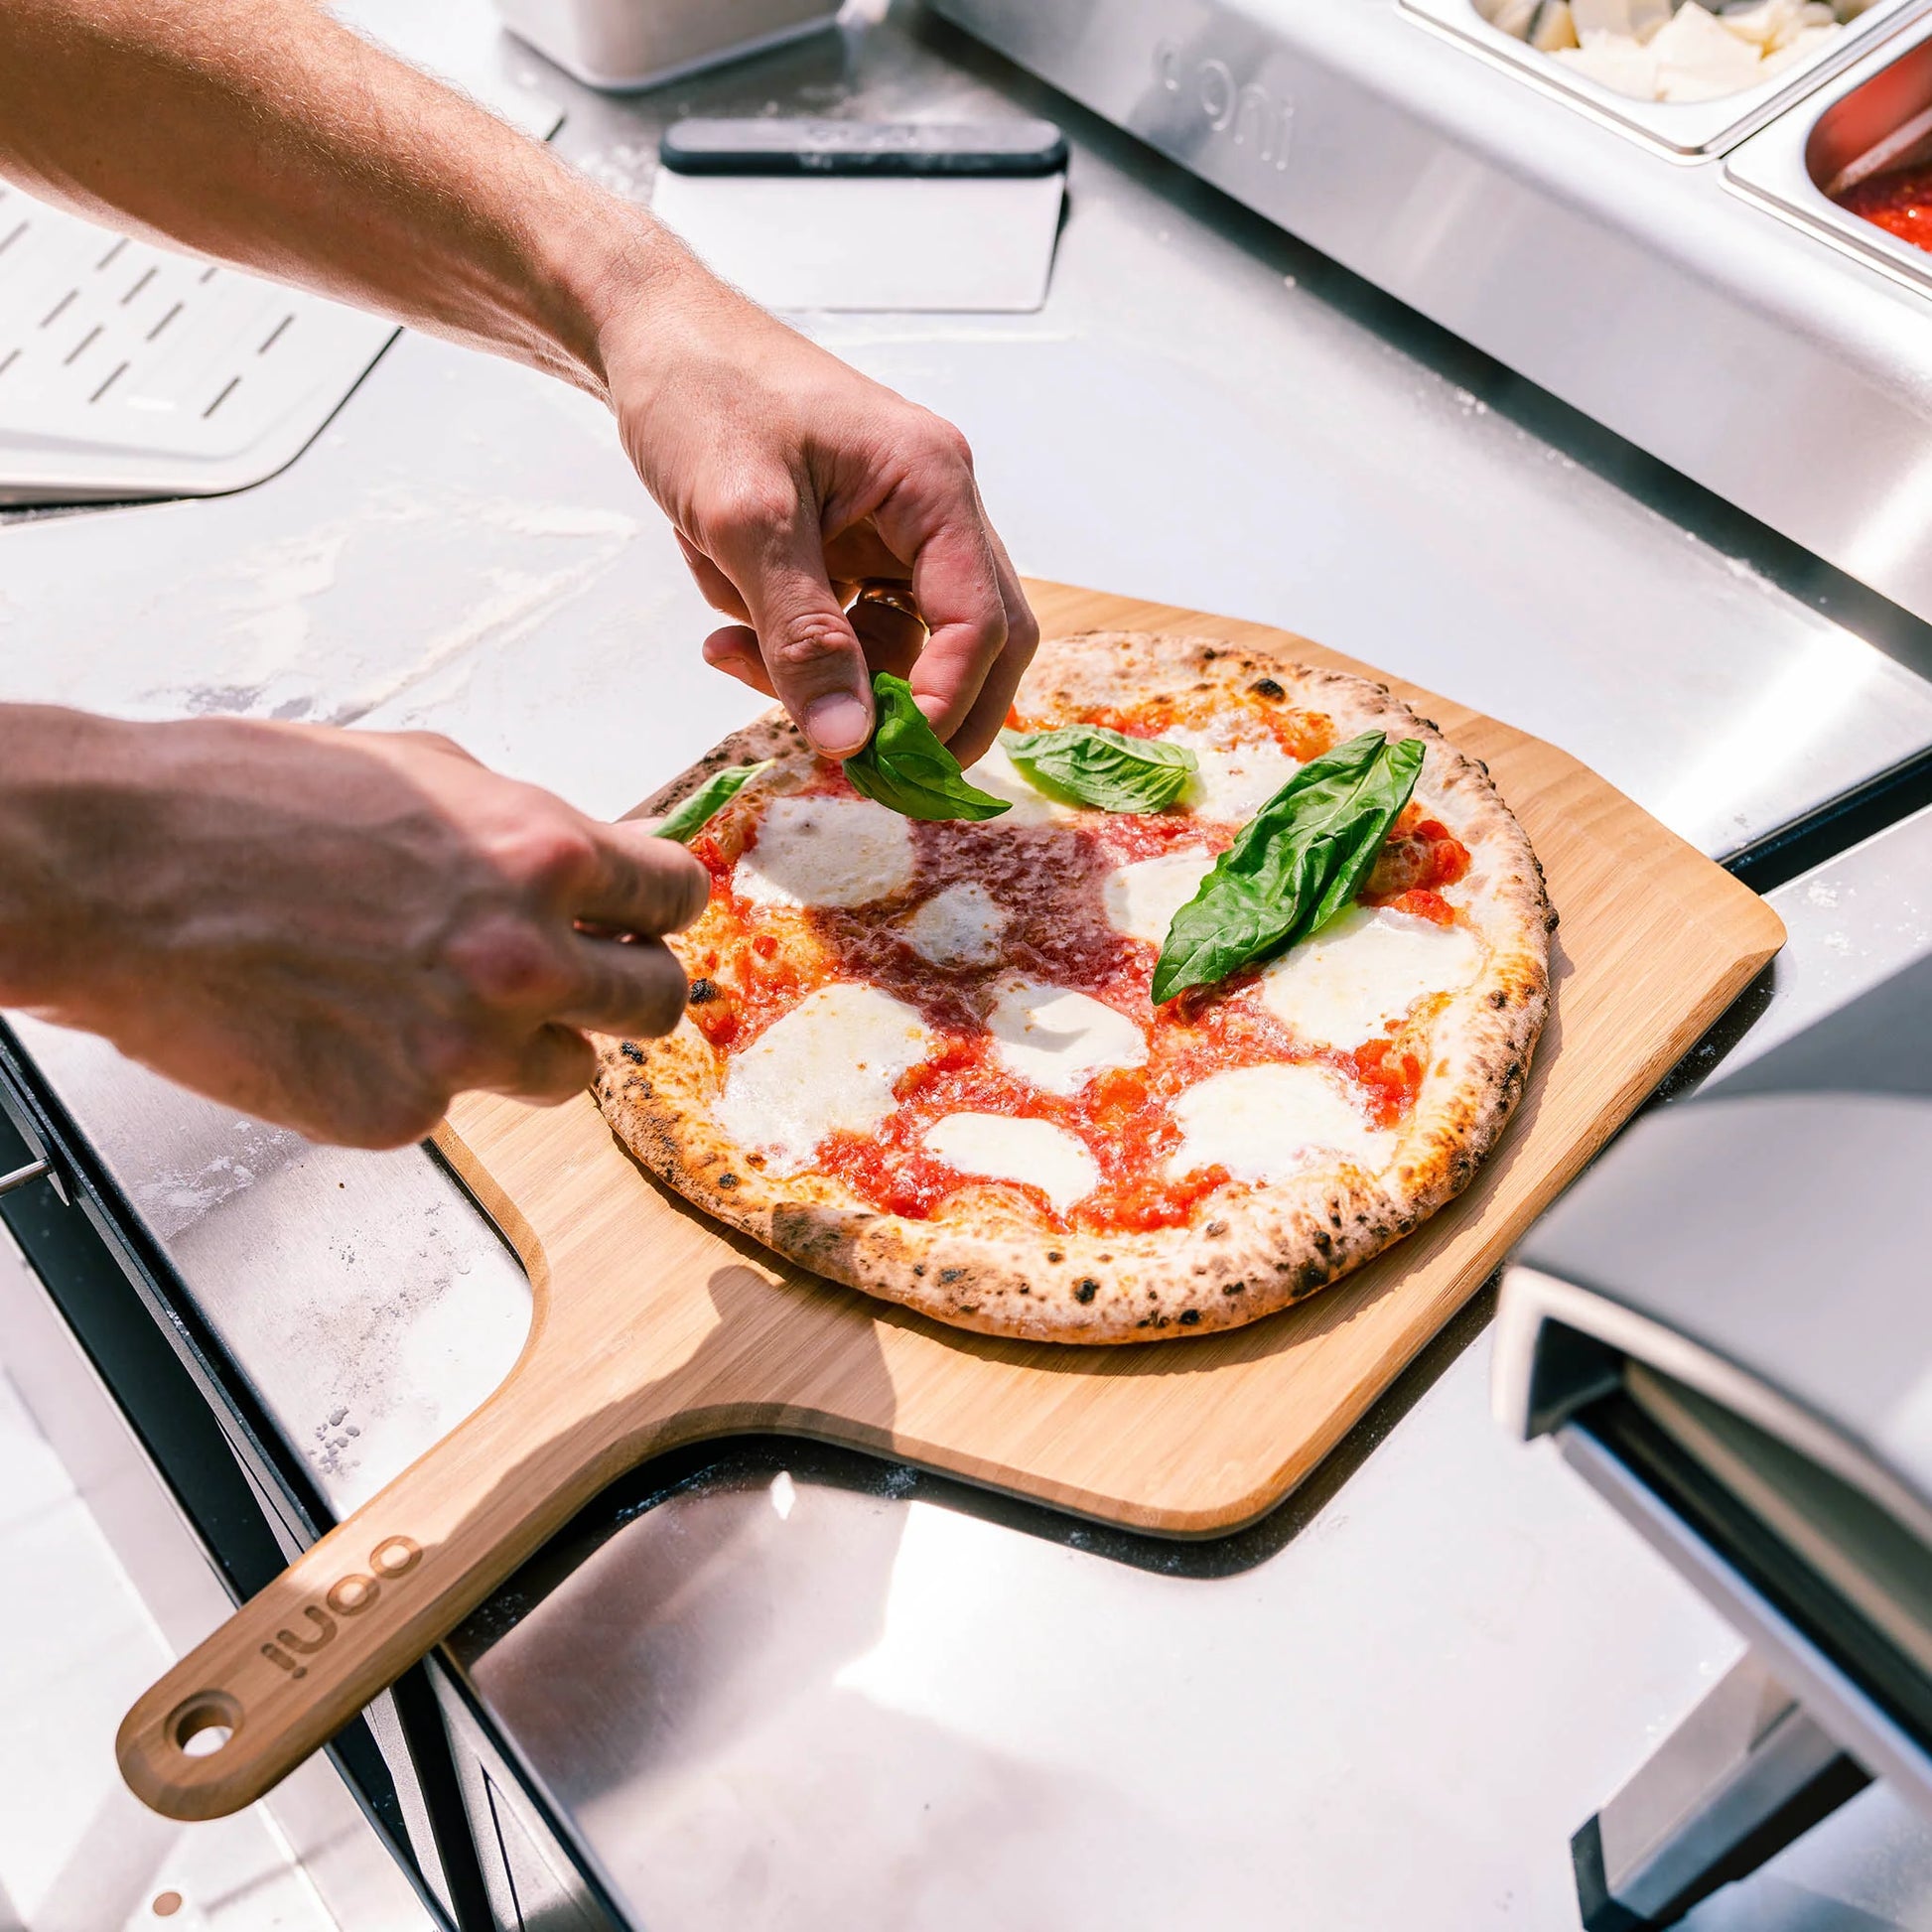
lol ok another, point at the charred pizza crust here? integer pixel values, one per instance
(989, 1261)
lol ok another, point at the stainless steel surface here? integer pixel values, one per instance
(1728, 1767)
(1871, 124)
(1455, 1652)
(1677, 127)
(1702, 1237)
(366, 1300)
(22, 1175)
(1855, 922)
(1699, 1242)
(535, 1886)
(1838, 1704)
(1791, 379)
(815, 1707)
(1868, 1450)
(1789, 167)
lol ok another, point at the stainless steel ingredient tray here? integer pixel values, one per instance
(1788, 167)
(1684, 128)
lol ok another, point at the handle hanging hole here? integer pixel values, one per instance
(204, 1723)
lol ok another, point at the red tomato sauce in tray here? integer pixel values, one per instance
(1900, 203)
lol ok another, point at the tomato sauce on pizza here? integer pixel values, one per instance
(923, 1058)
(1040, 888)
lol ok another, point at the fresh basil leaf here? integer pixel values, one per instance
(1294, 866)
(1398, 769)
(1089, 764)
(905, 765)
(692, 814)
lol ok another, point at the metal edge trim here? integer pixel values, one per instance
(216, 1375)
(1862, 1726)
(1532, 1298)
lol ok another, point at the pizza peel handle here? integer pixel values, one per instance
(349, 1616)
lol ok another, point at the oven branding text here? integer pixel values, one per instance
(1250, 117)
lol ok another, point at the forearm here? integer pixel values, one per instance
(264, 134)
(52, 768)
(116, 835)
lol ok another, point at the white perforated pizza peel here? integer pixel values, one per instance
(654, 1326)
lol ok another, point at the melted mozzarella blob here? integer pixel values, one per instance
(960, 926)
(997, 775)
(1234, 781)
(1060, 1039)
(1267, 1123)
(1056, 1162)
(827, 1066)
(826, 852)
(1363, 969)
(1140, 899)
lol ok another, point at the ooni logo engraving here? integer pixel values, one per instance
(1250, 117)
(346, 1596)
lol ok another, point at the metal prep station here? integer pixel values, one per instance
(1604, 420)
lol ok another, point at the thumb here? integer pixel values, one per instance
(815, 661)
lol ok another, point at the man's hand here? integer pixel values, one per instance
(334, 930)
(792, 480)
(289, 145)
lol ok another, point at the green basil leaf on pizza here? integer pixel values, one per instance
(906, 768)
(691, 815)
(1294, 866)
(924, 1060)
(1090, 765)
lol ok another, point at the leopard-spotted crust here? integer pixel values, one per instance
(986, 1261)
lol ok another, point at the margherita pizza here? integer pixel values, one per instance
(925, 1056)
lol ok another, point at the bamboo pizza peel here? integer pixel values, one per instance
(653, 1326)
